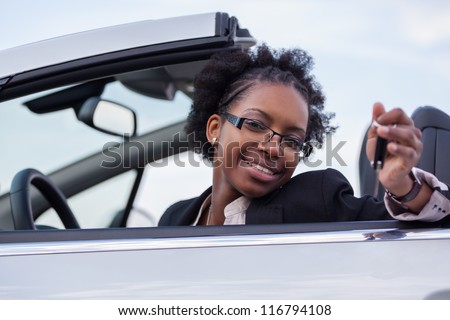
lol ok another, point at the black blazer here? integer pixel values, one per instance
(315, 196)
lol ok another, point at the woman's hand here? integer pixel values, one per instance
(403, 149)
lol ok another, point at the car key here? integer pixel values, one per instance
(378, 160)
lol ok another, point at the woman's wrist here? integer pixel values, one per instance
(414, 189)
(418, 196)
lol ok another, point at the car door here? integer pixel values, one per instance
(376, 260)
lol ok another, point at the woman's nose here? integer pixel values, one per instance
(272, 146)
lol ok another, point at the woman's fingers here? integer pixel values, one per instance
(404, 146)
(406, 135)
(395, 116)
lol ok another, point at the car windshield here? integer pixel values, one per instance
(53, 140)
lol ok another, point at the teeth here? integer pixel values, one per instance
(262, 169)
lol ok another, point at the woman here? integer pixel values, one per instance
(255, 115)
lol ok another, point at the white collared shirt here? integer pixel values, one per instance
(234, 212)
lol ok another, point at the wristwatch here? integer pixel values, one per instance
(412, 194)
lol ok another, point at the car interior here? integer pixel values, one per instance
(32, 192)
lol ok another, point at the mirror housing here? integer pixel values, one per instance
(108, 117)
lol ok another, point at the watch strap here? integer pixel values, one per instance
(412, 194)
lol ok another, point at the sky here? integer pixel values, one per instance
(396, 52)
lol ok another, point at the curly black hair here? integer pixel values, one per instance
(228, 76)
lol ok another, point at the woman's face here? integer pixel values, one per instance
(253, 168)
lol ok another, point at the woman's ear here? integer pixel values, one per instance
(213, 127)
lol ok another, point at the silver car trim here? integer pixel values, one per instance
(60, 247)
(115, 38)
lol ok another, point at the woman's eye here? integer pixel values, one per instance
(293, 143)
(255, 125)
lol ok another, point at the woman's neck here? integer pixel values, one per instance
(222, 195)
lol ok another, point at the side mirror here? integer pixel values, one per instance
(109, 117)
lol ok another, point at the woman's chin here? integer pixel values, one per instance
(257, 191)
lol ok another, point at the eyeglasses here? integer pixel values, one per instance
(260, 132)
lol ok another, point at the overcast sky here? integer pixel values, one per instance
(396, 52)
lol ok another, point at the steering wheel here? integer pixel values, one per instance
(20, 198)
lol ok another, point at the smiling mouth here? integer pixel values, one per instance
(260, 168)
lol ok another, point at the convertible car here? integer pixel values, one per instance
(93, 152)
